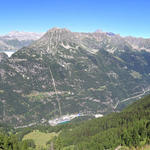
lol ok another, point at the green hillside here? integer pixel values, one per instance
(129, 128)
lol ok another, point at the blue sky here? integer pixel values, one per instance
(125, 17)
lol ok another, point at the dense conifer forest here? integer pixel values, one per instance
(129, 128)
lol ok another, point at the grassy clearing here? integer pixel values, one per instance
(136, 75)
(102, 88)
(37, 96)
(71, 147)
(1, 91)
(147, 147)
(40, 138)
(119, 59)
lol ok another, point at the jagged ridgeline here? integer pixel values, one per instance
(92, 72)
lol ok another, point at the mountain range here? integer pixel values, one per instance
(16, 40)
(67, 72)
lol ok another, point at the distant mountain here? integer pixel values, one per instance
(22, 36)
(16, 40)
(71, 72)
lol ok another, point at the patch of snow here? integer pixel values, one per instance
(66, 46)
(94, 51)
(9, 53)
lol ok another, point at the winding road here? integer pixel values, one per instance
(127, 99)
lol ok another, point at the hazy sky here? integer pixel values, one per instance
(127, 17)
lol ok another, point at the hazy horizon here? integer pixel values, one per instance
(127, 18)
(74, 31)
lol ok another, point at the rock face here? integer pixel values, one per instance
(139, 43)
(79, 72)
(3, 57)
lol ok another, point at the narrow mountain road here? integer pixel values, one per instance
(136, 95)
(127, 99)
(52, 146)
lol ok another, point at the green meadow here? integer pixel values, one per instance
(40, 138)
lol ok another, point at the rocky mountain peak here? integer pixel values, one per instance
(99, 31)
(57, 29)
(53, 39)
(56, 34)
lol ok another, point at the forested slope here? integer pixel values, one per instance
(130, 128)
